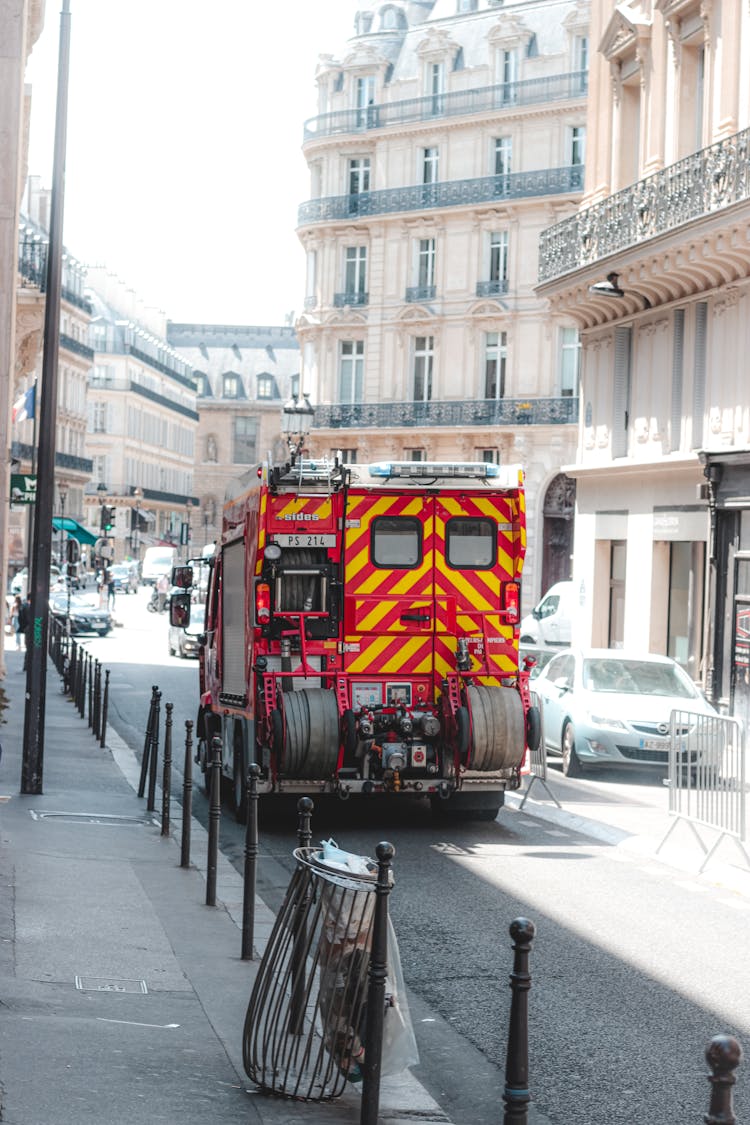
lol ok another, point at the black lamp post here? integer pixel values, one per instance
(62, 491)
(135, 542)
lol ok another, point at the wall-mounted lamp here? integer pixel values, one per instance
(611, 288)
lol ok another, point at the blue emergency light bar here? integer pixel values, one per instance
(416, 470)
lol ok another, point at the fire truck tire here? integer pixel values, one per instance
(468, 806)
(533, 729)
(239, 788)
(497, 722)
(463, 731)
(349, 732)
(311, 746)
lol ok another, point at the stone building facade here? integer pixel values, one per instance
(449, 134)
(655, 269)
(243, 375)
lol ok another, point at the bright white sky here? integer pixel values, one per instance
(184, 170)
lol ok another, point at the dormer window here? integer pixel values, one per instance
(267, 388)
(232, 386)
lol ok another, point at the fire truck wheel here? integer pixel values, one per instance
(468, 806)
(311, 746)
(497, 722)
(533, 729)
(463, 730)
(349, 733)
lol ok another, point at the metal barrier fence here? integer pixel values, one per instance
(536, 761)
(707, 779)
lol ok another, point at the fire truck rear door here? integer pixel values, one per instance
(389, 605)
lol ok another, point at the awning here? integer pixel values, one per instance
(74, 529)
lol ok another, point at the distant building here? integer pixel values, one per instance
(243, 375)
(449, 134)
(142, 423)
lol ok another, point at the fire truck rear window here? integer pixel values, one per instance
(470, 544)
(396, 542)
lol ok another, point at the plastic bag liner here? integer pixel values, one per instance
(305, 1024)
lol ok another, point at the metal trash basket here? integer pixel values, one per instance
(306, 1016)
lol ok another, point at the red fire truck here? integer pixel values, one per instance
(362, 633)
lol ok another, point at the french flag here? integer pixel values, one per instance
(23, 407)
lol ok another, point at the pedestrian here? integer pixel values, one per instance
(15, 621)
(26, 622)
(162, 589)
(109, 582)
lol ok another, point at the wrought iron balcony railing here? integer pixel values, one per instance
(76, 346)
(451, 193)
(355, 300)
(483, 99)
(492, 288)
(467, 412)
(420, 293)
(22, 451)
(705, 182)
(130, 385)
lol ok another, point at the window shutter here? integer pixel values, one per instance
(621, 396)
(699, 372)
(678, 350)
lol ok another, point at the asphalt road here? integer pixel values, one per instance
(635, 966)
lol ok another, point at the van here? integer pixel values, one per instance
(157, 561)
(551, 620)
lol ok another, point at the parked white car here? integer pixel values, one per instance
(611, 707)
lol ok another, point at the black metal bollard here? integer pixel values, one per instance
(91, 691)
(214, 816)
(187, 794)
(71, 668)
(251, 863)
(97, 698)
(105, 705)
(166, 782)
(82, 686)
(723, 1055)
(516, 1094)
(305, 808)
(147, 741)
(376, 989)
(154, 756)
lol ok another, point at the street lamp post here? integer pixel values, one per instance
(296, 421)
(62, 491)
(135, 542)
(188, 507)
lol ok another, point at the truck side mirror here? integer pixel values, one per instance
(182, 577)
(179, 610)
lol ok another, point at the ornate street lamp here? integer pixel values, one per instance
(62, 491)
(296, 422)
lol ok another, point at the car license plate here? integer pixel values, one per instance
(654, 744)
(305, 539)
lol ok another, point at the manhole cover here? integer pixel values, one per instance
(110, 819)
(110, 984)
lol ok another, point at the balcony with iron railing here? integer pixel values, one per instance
(353, 300)
(457, 103)
(22, 451)
(702, 184)
(131, 386)
(451, 193)
(458, 413)
(494, 288)
(415, 293)
(76, 347)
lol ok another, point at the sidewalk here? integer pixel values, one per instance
(636, 824)
(122, 996)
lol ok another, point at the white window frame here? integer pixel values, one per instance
(495, 351)
(503, 154)
(498, 255)
(351, 370)
(570, 368)
(430, 164)
(355, 270)
(358, 171)
(425, 263)
(423, 365)
(577, 144)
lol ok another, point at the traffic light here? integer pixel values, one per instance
(108, 518)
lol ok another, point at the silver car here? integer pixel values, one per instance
(609, 707)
